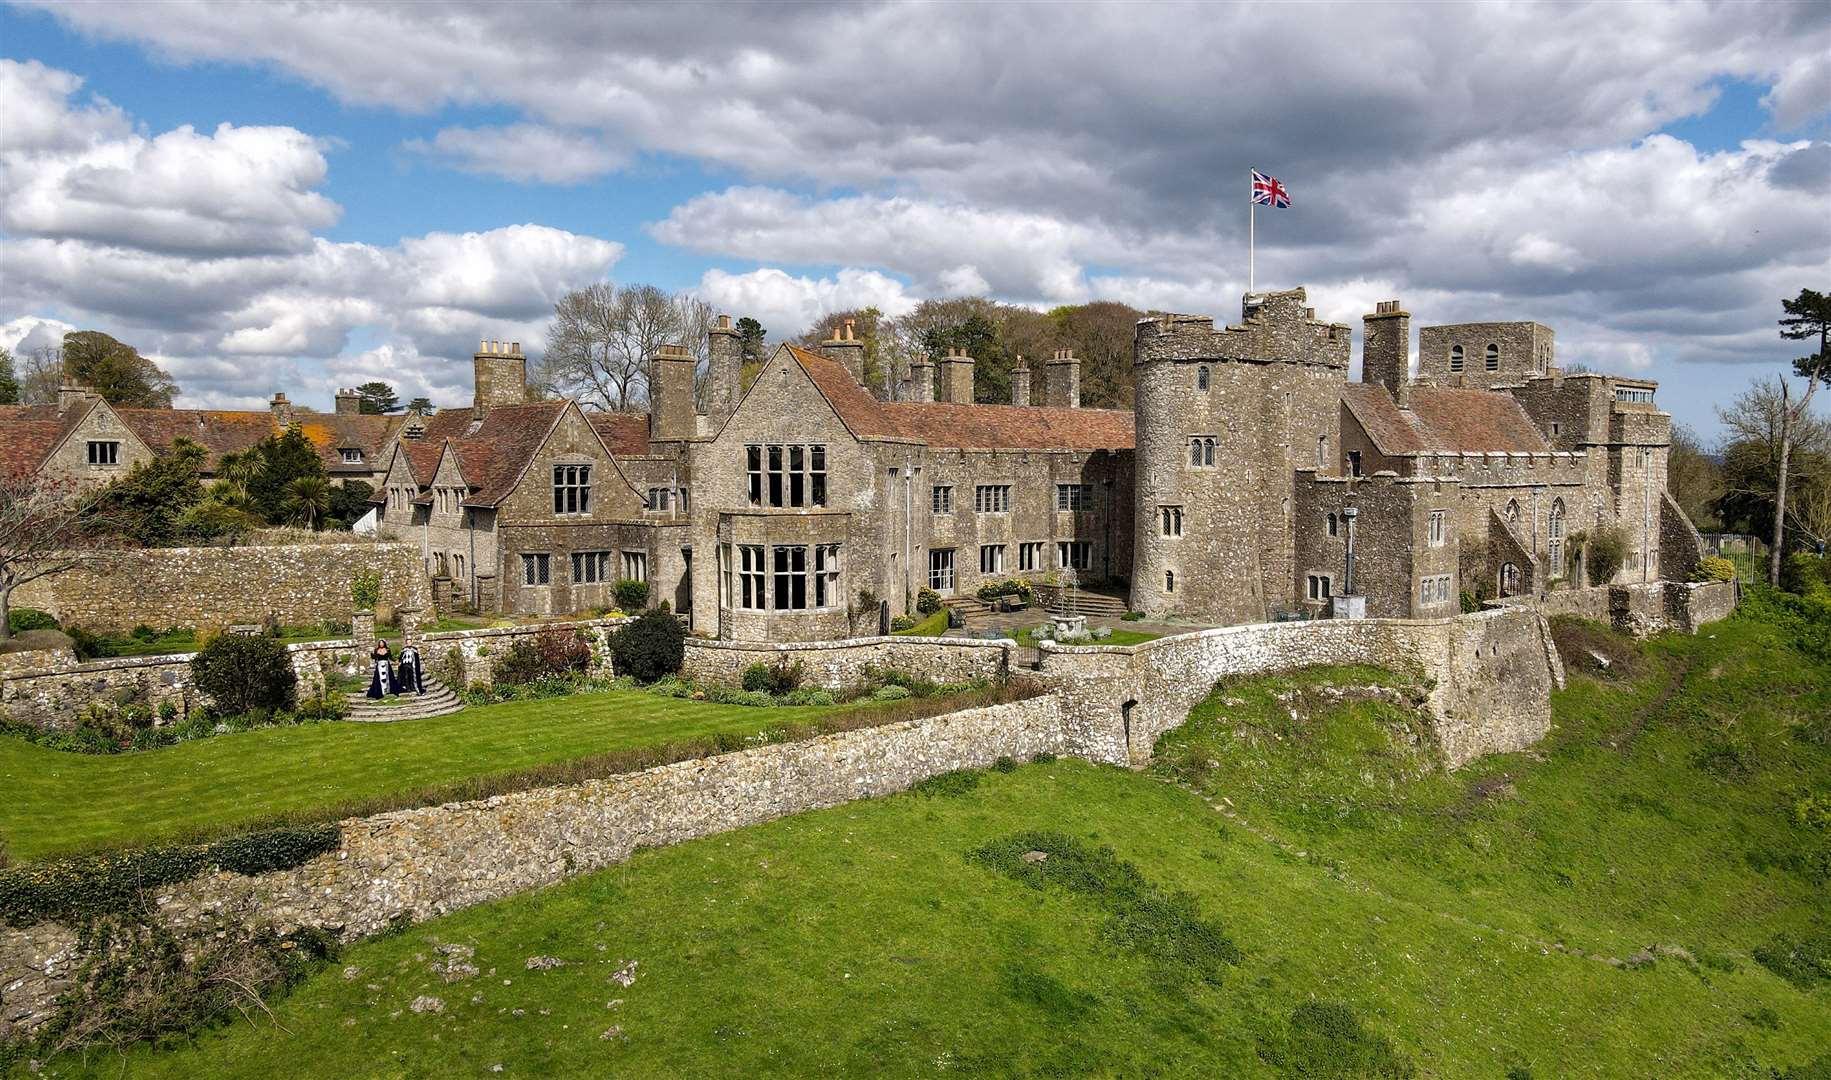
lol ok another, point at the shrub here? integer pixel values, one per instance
(1805, 962)
(1132, 616)
(903, 622)
(891, 693)
(21, 619)
(1004, 765)
(651, 647)
(365, 590)
(809, 696)
(1804, 573)
(928, 601)
(449, 669)
(242, 674)
(632, 595)
(549, 654)
(779, 678)
(1714, 568)
(992, 590)
(1605, 551)
(725, 695)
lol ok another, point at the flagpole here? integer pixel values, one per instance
(1252, 213)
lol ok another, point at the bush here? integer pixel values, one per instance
(779, 678)
(651, 647)
(809, 696)
(1714, 568)
(449, 669)
(1132, 616)
(725, 695)
(632, 595)
(1804, 574)
(992, 590)
(928, 601)
(547, 655)
(903, 622)
(1604, 554)
(891, 693)
(242, 674)
(365, 590)
(21, 619)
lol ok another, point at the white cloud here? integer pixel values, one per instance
(39, 116)
(525, 152)
(787, 305)
(29, 333)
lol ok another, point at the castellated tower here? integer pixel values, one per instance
(1225, 418)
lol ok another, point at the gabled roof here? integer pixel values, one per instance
(1011, 427)
(218, 431)
(509, 437)
(624, 434)
(1443, 420)
(28, 433)
(332, 433)
(856, 408)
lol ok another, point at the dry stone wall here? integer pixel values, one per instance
(837, 664)
(211, 586)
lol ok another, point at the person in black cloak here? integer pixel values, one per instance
(381, 681)
(411, 677)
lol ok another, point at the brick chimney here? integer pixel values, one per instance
(282, 411)
(1062, 380)
(921, 378)
(845, 348)
(670, 394)
(72, 394)
(349, 402)
(1020, 382)
(1386, 349)
(724, 377)
(957, 377)
(501, 376)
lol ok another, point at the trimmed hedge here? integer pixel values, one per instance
(91, 885)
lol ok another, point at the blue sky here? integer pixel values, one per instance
(396, 181)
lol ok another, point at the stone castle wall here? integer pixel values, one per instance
(838, 664)
(213, 586)
(1641, 609)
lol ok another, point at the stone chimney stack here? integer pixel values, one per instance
(501, 372)
(282, 411)
(670, 394)
(1062, 380)
(845, 348)
(1386, 350)
(725, 379)
(71, 394)
(349, 402)
(921, 378)
(957, 377)
(1020, 382)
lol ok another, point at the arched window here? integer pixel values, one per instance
(1195, 451)
(1509, 579)
(1169, 581)
(1201, 377)
(1554, 529)
(1512, 512)
(1492, 357)
(1322, 451)
(1455, 358)
(1334, 525)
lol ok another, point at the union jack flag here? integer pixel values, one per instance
(1267, 191)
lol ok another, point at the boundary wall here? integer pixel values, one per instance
(1638, 608)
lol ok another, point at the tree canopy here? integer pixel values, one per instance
(9, 379)
(377, 398)
(601, 338)
(116, 371)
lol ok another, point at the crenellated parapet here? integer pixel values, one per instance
(1275, 327)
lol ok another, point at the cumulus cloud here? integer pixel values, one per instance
(524, 152)
(786, 304)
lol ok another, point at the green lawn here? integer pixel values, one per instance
(56, 801)
(1387, 917)
(934, 624)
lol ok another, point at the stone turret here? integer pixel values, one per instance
(1020, 382)
(724, 376)
(957, 377)
(501, 372)
(1062, 380)
(671, 414)
(845, 349)
(1386, 349)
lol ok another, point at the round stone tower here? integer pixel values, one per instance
(1225, 418)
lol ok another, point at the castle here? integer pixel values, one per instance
(1250, 482)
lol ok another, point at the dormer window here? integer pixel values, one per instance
(351, 455)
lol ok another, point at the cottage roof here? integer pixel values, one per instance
(218, 431)
(624, 434)
(332, 433)
(28, 434)
(1443, 420)
(494, 457)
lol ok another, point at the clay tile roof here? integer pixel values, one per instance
(510, 435)
(624, 434)
(218, 431)
(422, 458)
(1475, 420)
(331, 433)
(27, 434)
(1011, 427)
(856, 407)
(1391, 428)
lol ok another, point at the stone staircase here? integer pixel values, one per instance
(438, 700)
(1094, 605)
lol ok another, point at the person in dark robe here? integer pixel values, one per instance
(381, 680)
(411, 678)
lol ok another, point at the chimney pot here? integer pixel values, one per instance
(724, 322)
(515, 348)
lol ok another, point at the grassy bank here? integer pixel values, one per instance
(1293, 890)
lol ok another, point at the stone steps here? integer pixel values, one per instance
(437, 701)
(1092, 605)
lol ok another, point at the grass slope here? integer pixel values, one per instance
(58, 801)
(1587, 909)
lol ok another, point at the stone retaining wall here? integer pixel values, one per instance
(419, 864)
(1640, 609)
(837, 664)
(1491, 675)
(214, 586)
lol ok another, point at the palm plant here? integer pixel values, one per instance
(308, 500)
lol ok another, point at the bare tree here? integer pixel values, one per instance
(40, 373)
(1808, 316)
(47, 527)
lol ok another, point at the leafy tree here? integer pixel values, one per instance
(1603, 554)
(978, 336)
(9, 380)
(150, 502)
(377, 399)
(217, 519)
(349, 502)
(284, 458)
(48, 526)
(750, 338)
(421, 405)
(1808, 316)
(116, 371)
(243, 673)
(308, 501)
(1694, 478)
(1101, 334)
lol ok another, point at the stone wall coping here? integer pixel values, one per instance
(508, 631)
(1247, 629)
(846, 643)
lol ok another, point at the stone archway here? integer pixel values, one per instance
(1509, 579)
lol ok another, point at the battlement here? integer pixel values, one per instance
(1275, 328)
